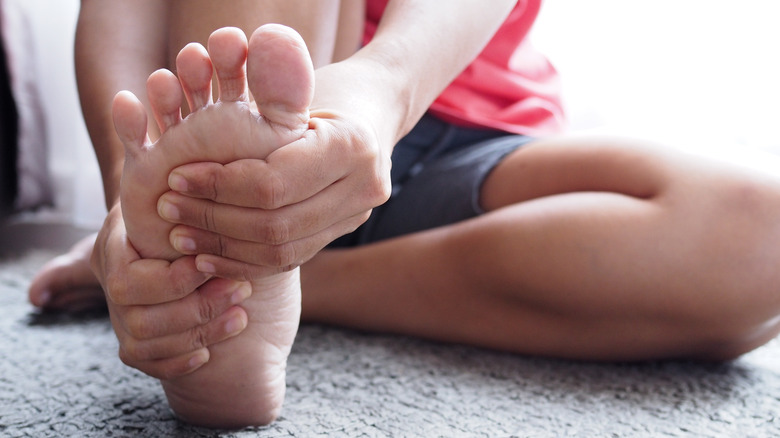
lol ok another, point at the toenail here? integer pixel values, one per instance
(169, 211)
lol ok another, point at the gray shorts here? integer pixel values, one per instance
(438, 170)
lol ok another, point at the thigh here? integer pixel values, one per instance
(569, 164)
(704, 229)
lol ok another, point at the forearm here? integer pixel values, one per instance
(118, 44)
(418, 49)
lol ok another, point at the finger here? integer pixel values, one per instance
(208, 303)
(151, 281)
(225, 326)
(228, 48)
(272, 256)
(130, 280)
(170, 368)
(165, 97)
(242, 271)
(237, 270)
(288, 175)
(194, 68)
(270, 227)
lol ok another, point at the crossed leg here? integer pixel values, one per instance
(243, 383)
(592, 248)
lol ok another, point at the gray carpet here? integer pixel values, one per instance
(59, 376)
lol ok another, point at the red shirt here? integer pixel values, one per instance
(509, 86)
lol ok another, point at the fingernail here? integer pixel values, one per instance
(205, 267)
(242, 293)
(184, 244)
(168, 211)
(177, 182)
(198, 359)
(234, 325)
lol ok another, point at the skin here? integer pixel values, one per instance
(592, 248)
(243, 382)
(359, 159)
(132, 282)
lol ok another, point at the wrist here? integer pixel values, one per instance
(362, 89)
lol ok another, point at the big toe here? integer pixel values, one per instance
(280, 75)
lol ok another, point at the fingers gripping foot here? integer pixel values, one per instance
(275, 67)
(280, 77)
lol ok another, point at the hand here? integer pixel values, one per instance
(165, 314)
(253, 218)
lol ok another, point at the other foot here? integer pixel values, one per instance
(66, 283)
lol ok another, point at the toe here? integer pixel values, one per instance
(280, 75)
(130, 122)
(227, 49)
(194, 68)
(165, 97)
(66, 275)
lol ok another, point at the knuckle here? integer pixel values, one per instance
(117, 288)
(212, 186)
(165, 372)
(273, 230)
(283, 255)
(269, 190)
(360, 219)
(288, 268)
(125, 357)
(222, 247)
(377, 185)
(246, 272)
(198, 338)
(206, 311)
(241, 271)
(208, 218)
(379, 188)
(179, 283)
(353, 223)
(135, 322)
(133, 351)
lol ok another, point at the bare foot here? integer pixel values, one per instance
(66, 283)
(244, 381)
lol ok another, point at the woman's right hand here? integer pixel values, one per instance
(165, 314)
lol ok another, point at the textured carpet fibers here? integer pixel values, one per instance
(60, 376)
